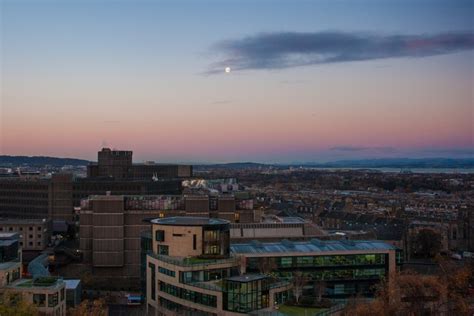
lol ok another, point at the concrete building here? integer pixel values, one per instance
(34, 234)
(48, 294)
(10, 259)
(55, 198)
(193, 269)
(118, 164)
(111, 226)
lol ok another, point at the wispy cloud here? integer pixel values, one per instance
(292, 49)
(362, 148)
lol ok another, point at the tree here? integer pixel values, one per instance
(426, 243)
(298, 282)
(14, 305)
(96, 307)
(413, 294)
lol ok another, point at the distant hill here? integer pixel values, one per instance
(362, 163)
(40, 161)
(398, 163)
(231, 165)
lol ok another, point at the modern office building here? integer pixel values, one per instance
(110, 228)
(345, 267)
(118, 164)
(190, 271)
(193, 268)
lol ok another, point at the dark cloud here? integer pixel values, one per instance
(356, 148)
(291, 49)
(455, 151)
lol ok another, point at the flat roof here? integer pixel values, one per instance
(246, 277)
(314, 245)
(9, 236)
(189, 221)
(72, 284)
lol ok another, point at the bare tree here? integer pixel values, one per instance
(319, 287)
(298, 282)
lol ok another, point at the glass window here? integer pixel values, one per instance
(160, 235)
(163, 250)
(53, 299)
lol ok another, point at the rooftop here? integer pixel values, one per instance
(41, 282)
(189, 221)
(246, 278)
(314, 245)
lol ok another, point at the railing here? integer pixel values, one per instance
(192, 262)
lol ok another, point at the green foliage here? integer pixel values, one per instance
(13, 305)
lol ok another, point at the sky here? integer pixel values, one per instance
(309, 81)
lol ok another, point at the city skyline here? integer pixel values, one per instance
(384, 79)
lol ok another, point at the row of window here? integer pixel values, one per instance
(321, 261)
(188, 295)
(206, 275)
(31, 228)
(53, 299)
(167, 272)
(340, 274)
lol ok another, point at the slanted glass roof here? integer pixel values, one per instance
(310, 246)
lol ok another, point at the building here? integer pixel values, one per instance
(34, 234)
(190, 271)
(55, 198)
(118, 164)
(10, 259)
(345, 267)
(275, 228)
(48, 294)
(193, 268)
(110, 229)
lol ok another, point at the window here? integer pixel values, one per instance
(152, 267)
(30, 228)
(160, 235)
(53, 299)
(163, 250)
(167, 272)
(194, 242)
(39, 300)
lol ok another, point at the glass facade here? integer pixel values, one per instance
(182, 310)
(206, 275)
(215, 240)
(343, 275)
(189, 295)
(244, 297)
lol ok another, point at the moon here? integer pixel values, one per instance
(227, 69)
